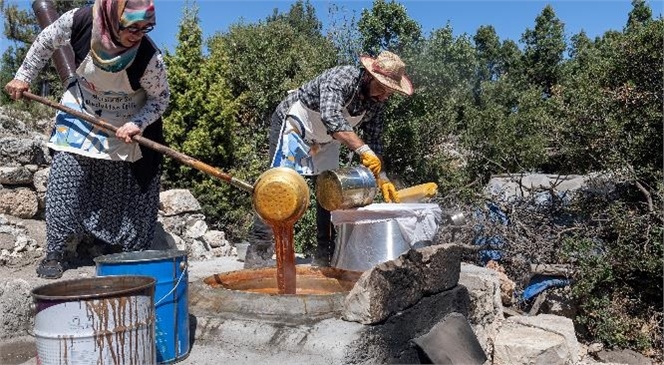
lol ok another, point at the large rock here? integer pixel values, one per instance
(392, 286)
(623, 357)
(40, 180)
(215, 238)
(178, 201)
(517, 186)
(18, 175)
(15, 314)
(556, 324)
(384, 289)
(195, 227)
(486, 307)
(440, 267)
(23, 151)
(484, 288)
(543, 339)
(20, 202)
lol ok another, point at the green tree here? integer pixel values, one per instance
(301, 17)
(506, 132)
(581, 44)
(543, 50)
(442, 68)
(612, 103)
(510, 59)
(200, 122)
(343, 33)
(487, 45)
(639, 15)
(386, 26)
(271, 58)
(184, 73)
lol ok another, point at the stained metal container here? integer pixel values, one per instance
(103, 320)
(345, 188)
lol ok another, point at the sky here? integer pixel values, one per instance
(509, 18)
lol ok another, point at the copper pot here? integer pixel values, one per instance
(280, 195)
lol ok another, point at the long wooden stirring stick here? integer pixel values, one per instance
(179, 156)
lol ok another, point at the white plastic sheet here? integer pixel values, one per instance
(417, 222)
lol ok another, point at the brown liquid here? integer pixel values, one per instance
(300, 291)
(285, 247)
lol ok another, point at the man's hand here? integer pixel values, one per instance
(127, 131)
(388, 190)
(369, 159)
(15, 88)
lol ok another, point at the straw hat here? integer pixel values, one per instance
(389, 70)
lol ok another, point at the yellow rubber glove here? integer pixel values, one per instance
(390, 194)
(369, 159)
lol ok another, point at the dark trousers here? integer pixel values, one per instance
(325, 234)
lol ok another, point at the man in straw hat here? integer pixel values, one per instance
(309, 126)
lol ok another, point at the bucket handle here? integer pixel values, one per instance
(184, 270)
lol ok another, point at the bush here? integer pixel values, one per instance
(619, 279)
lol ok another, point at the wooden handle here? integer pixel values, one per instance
(179, 156)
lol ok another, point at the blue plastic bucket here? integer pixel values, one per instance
(169, 269)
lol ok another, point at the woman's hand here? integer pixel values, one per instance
(127, 131)
(15, 88)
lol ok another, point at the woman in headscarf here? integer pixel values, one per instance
(102, 185)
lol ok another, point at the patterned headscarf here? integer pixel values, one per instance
(107, 17)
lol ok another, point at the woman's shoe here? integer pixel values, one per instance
(51, 267)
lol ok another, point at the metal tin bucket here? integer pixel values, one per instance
(107, 320)
(169, 269)
(377, 233)
(344, 188)
(361, 246)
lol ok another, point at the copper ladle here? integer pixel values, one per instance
(279, 195)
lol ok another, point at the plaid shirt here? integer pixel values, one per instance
(329, 93)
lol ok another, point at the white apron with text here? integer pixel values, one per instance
(304, 144)
(115, 105)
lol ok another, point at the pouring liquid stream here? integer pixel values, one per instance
(280, 198)
(285, 249)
